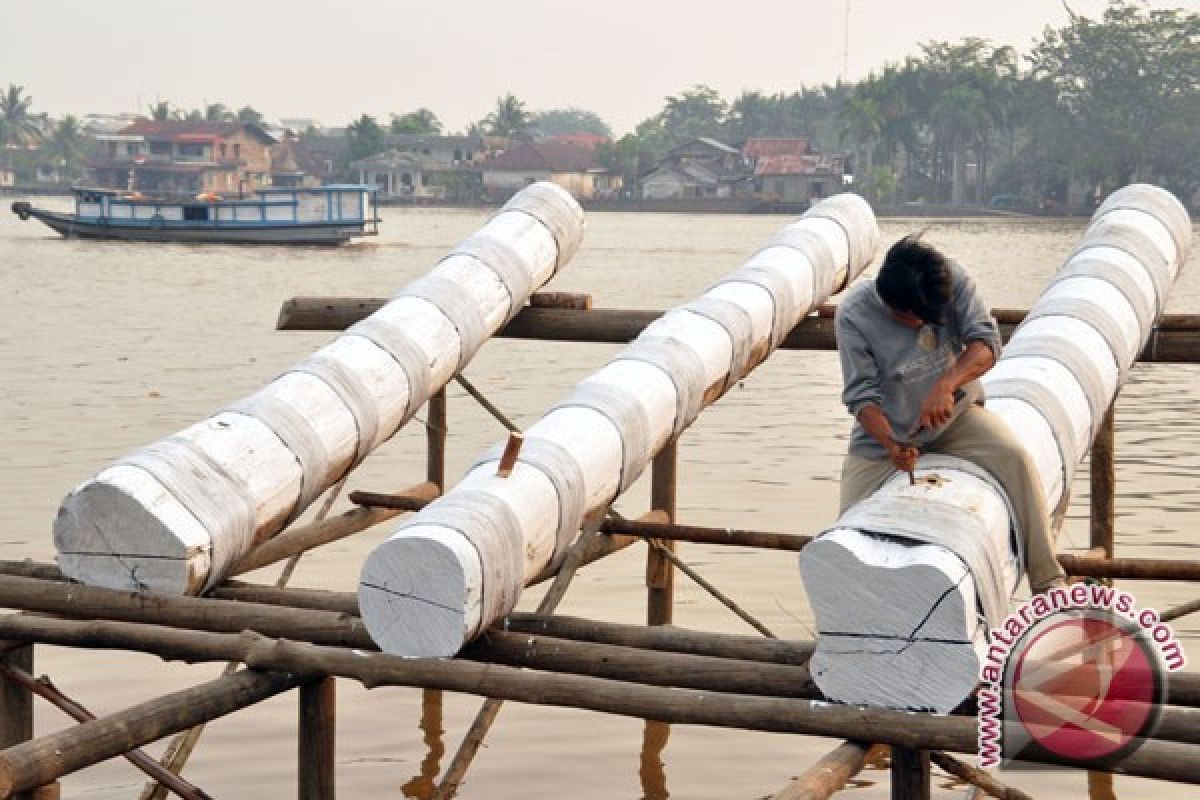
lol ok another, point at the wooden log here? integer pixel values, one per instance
(656, 668)
(896, 564)
(576, 302)
(48, 758)
(667, 638)
(43, 687)
(660, 577)
(460, 564)
(176, 516)
(1156, 759)
(16, 702)
(700, 534)
(1103, 478)
(316, 740)
(910, 774)
(436, 429)
(829, 774)
(1175, 340)
(977, 777)
(508, 459)
(74, 600)
(294, 541)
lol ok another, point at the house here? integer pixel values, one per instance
(293, 164)
(399, 173)
(798, 178)
(447, 150)
(573, 167)
(174, 156)
(755, 148)
(700, 168)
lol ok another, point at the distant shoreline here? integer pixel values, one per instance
(699, 205)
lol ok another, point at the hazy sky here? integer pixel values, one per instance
(335, 60)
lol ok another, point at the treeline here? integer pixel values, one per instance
(1096, 103)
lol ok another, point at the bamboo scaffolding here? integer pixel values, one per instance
(1175, 340)
(43, 760)
(1156, 759)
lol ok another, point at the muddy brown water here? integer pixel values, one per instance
(108, 346)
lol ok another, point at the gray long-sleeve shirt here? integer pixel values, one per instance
(894, 366)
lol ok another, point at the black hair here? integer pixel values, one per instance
(915, 277)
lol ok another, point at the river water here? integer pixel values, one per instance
(107, 346)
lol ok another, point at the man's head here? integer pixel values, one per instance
(915, 279)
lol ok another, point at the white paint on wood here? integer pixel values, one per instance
(594, 441)
(898, 621)
(124, 529)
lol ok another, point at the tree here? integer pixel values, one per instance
(695, 112)
(217, 112)
(509, 119)
(366, 137)
(1127, 83)
(67, 145)
(161, 111)
(420, 121)
(247, 115)
(562, 121)
(18, 126)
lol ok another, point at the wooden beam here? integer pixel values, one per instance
(16, 703)
(1156, 759)
(44, 760)
(1102, 479)
(977, 777)
(660, 576)
(830, 773)
(1175, 340)
(316, 740)
(910, 774)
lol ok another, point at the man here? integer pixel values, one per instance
(913, 344)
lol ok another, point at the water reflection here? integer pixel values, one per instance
(652, 771)
(423, 784)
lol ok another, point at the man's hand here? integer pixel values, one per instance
(938, 406)
(904, 457)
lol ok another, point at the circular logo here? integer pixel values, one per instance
(1086, 687)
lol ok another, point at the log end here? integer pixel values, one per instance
(896, 626)
(116, 532)
(417, 593)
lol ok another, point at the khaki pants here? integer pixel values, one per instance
(983, 439)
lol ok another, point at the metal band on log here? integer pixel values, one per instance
(904, 619)
(177, 516)
(430, 588)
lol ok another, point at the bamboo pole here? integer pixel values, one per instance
(44, 760)
(44, 688)
(1175, 340)
(316, 740)
(829, 774)
(660, 576)
(977, 777)
(1156, 759)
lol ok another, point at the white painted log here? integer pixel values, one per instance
(904, 623)
(460, 564)
(176, 522)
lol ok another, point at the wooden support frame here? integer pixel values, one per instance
(910, 774)
(316, 740)
(660, 574)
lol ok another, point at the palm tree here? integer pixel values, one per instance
(66, 145)
(247, 115)
(217, 112)
(861, 121)
(510, 119)
(18, 127)
(161, 111)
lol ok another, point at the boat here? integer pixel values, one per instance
(331, 214)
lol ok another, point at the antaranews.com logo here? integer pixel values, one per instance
(1075, 674)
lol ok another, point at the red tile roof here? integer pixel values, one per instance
(581, 138)
(758, 148)
(544, 156)
(180, 130)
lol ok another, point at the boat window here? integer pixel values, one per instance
(195, 213)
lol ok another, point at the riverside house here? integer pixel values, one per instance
(173, 156)
(571, 166)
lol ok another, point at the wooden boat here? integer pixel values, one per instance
(313, 215)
